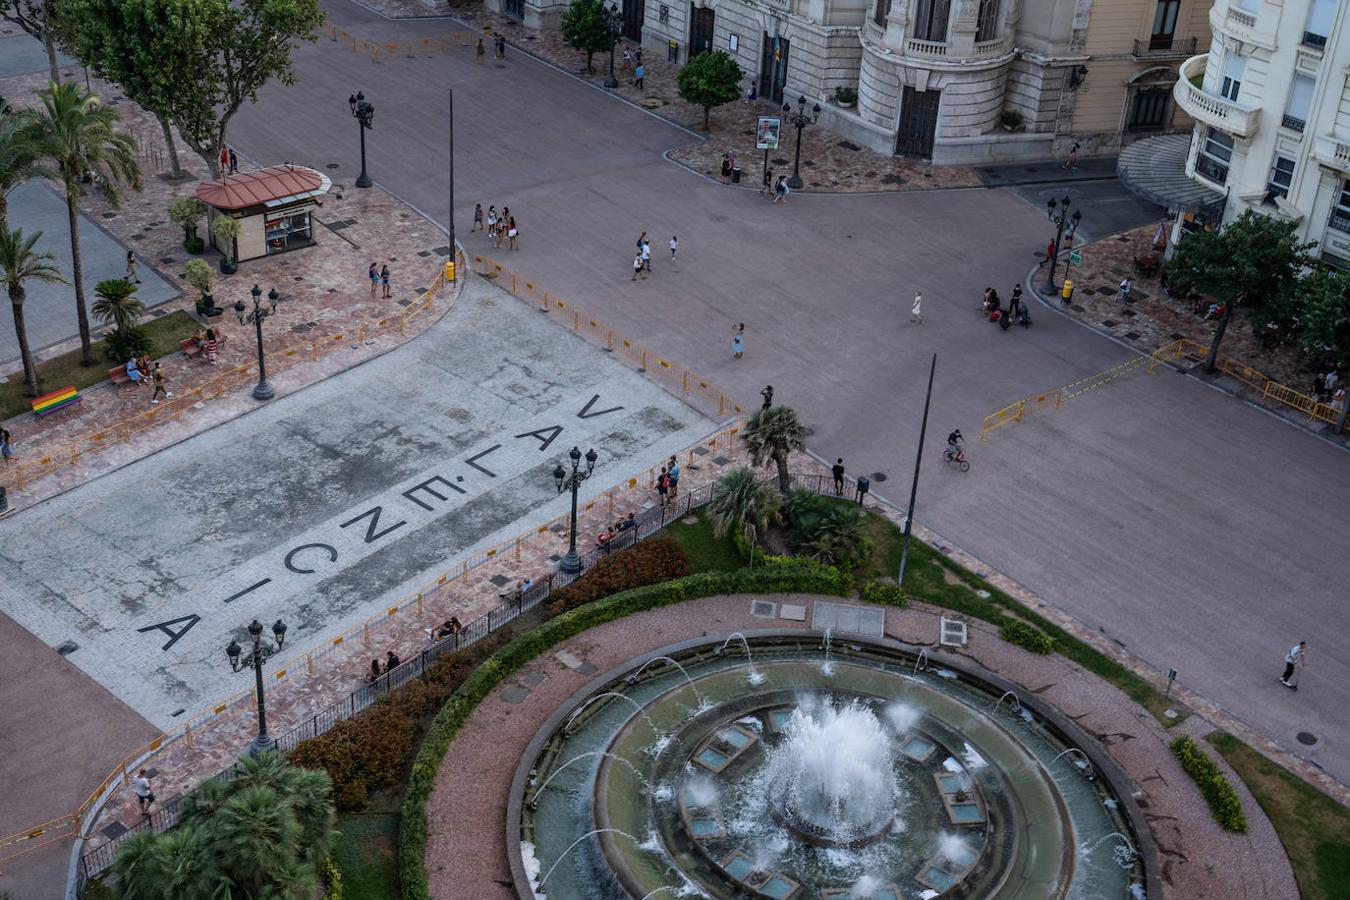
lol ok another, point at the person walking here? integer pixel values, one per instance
(1071, 162)
(234, 162)
(160, 379)
(766, 189)
(673, 470)
(1294, 660)
(640, 74)
(627, 58)
(374, 278)
(738, 341)
(1015, 304)
(211, 346)
(767, 394)
(131, 268)
(726, 167)
(384, 281)
(6, 445)
(1049, 253)
(511, 232)
(224, 160)
(637, 267)
(145, 796)
(479, 52)
(492, 222)
(477, 210)
(646, 255)
(674, 246)
(1126, 285)
(780, 189)
(916, 311)
(663, 486)
(837, 470)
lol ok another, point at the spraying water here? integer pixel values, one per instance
(632, 679)
(827, 667)
(572, 845)
(534, 801)
(902, 716)
(1016, 703)
(629, 700)
(865, 887)
(755, 676)
(921, 659)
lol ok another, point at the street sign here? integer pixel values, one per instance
(1075, 257)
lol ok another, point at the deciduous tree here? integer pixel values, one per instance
(583, 26)
(710, 79)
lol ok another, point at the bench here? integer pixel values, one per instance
(56, 401)
(118, 375)
(190, 348)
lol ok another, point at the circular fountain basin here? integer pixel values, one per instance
(789, 779)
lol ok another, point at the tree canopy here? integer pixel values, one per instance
(710, 79)
(583, 27)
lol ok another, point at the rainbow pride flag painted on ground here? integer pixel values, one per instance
(56, 400)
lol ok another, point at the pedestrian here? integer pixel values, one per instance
(511, 232)
(501, 47)
(641, 73)
(374, 674)
(642, 239)
(753, 94)
(726, 167)
(492, 221)
(674, 246)
(738, 341)
(627, 58)
(637, 56)
(131, 267)
(391, 662)
(479, 52)
(1293, 661)
(384, 281)
(234, 163)
(637, 267)
(765, 187)
(374, 278)
(1072, 161)
(673, 470)
(837, 470)
(1049, 253)
(780, 189)
(224, 160)
(477, 217)
(211, 346)
(1126, 284)
(767, 394)
(646, 255)
(6, 444)
(1015, 304)
(916, 312)
(663, 485)
(144, 795)
(160, 379)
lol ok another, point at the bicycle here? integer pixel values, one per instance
(957, 456)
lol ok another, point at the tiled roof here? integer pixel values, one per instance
(256, 188)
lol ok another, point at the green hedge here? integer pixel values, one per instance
(884, 593)
(776, 576)
(1218, 793)
(651, 561)
(1028, 637)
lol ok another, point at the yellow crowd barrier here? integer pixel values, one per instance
(38, 462)
(602, 336)
(355, 640)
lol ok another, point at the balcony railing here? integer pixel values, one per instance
(916, 47)
(1241, 17)
(1164, 47)
(1318, 41)
(1293, 123)
(1209, 108)
(1333, 150)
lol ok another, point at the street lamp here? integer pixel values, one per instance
(801, 120)
(263, 390)
(364, 113)
(571, 563)
(613, 23)
(1058, 213)
(255, 659)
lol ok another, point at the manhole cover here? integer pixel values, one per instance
(331, 166)
(878, 476)
(1307, 737)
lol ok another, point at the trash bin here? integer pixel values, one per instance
(1066, 293)
(735, 174)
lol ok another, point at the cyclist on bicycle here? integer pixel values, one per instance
(954, 443)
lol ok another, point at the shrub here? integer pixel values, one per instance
(1218, 793)
(648, 562)
(122, 345)
(200, 275)
(846, 95)
(1028, 637)
(884, 593)
(332, 879)
(1012, 118)
(187, 212)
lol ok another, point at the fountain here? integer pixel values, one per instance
(848, 779)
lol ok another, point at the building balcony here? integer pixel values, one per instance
(1235, 118)
(1164, 48)
(929, 49)
(1332, 150)
(1253, 28)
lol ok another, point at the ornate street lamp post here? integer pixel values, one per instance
(571, 563)
(613, 24)
(1058, 213)
(263, 390)
(255, 659)
(801, 120)
(364, 112)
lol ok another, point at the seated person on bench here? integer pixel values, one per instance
(603, 538)
(134, 371)
(628, 523)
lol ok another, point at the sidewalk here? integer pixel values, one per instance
(326, 303)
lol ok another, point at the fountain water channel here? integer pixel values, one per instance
(862, 778)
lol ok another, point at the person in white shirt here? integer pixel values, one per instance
(916, 312)
(1294, 660)
(647, 256)
(674, 245)
(140, 783)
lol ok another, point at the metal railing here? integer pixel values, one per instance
(1161, 47)
(650, 522)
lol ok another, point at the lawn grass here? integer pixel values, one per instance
(1314, 829)
(367, 852)
(165, 332)
(706, 551)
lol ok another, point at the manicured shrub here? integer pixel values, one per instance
(1028, 637)
(884, 593)
(1218, 793)
(648, 562)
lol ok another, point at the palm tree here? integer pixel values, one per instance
(80, 134)
(741, 501)
(770, 436)
(838, 538)
(256, 835)
(20, 262)
(19, 153)
(117, 304)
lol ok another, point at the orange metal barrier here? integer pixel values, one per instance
(602, 336)
(1269, 389)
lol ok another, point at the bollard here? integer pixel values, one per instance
(609, 341)
(643, 367)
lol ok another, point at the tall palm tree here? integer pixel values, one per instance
(19, 155)
(18, 263)
(740, 501)
(771, 435)
(117, 304)
(80, 134)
